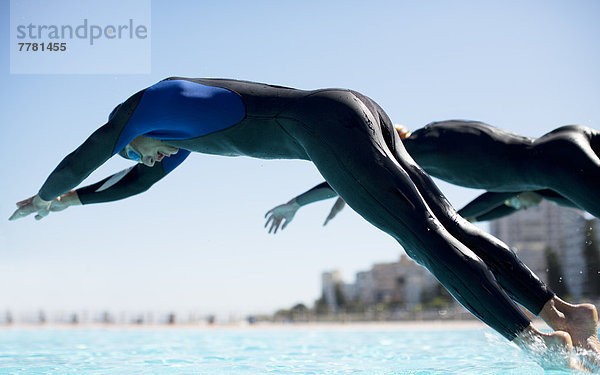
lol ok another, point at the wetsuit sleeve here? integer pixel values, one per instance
(485, 203)
(96, 150)
(495, 213)
(130, 181)
(318, 193)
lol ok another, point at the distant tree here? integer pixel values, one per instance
(435, 297)
(283, 315)
(171, 318)
(556, 280)
(340, 299)
(591, 255)
(106, 318)
(300, 312)
(300, 307)
(321, 305)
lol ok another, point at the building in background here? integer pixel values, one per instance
(400, 284)
(552, 241)
(558, 243)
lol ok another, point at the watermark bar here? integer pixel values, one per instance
(80, 37)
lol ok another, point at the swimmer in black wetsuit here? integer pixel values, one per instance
(477, 155)
(355, 147)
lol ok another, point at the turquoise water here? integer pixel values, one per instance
(261, 351)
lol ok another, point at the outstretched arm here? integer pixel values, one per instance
(56, 193)
(484, 204)
(43, 208)
(489, 206)
(284, 213)
(128, 182)
(494, 213)
(95, 151)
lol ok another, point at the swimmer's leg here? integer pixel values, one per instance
(580, 321)
(344, 140)
(349, 150)
(512, 274)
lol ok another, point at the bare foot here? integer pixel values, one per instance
(580, 321)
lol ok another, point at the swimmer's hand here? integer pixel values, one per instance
(524, 200)
(403, 132)
(42, 208)
(337, 207)
(277, 215)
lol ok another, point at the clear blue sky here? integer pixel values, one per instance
(195, 240)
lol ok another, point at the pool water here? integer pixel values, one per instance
(261, 351)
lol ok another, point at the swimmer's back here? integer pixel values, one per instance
(470, 153)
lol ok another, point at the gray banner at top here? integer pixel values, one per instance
(80, 37)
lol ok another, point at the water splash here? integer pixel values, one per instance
(549, 356)
(588, 359)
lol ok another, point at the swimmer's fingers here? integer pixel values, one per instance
(331, 215)
(28, 210)
(275, 226)
(403, 132)
(22, 212)
(25, 202)
(269, 220)
(24, 208)
(282, 214)
(30, 205)
(337, 207)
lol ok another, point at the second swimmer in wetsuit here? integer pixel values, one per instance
(562, 166)
(355, 147)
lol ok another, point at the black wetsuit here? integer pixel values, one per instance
(354, 145)
(562, 166)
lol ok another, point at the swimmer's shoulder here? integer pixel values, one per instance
(464, 128)
(230, 83)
